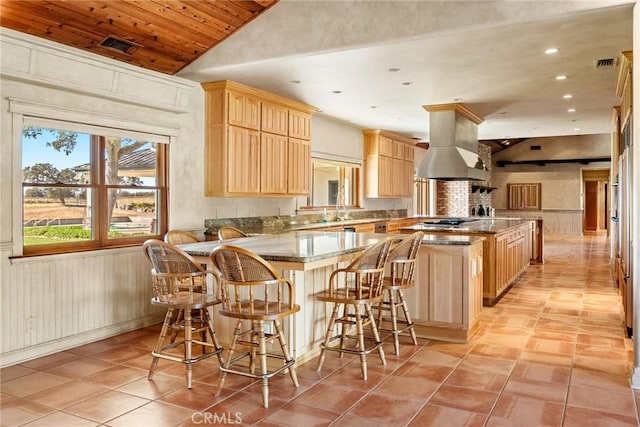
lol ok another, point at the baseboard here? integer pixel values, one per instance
(50, 347)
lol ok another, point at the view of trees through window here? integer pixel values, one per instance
(89, 190)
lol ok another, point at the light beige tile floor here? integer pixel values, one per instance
(551, 352)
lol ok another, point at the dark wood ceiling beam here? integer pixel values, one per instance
(543, 162)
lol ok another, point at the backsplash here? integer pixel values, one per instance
(273, 224)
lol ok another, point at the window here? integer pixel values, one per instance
(334, 183)
(86, 187)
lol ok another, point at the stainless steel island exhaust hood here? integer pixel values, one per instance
(453, 145)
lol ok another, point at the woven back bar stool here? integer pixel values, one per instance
(401, 269)
(179, 285)
(178, 237)
(352, 291)
(227, 232)
(258, 298)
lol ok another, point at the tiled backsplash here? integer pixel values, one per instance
(271, 224)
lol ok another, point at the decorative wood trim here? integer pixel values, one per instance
(263, 95)
(624, 63)
(460, 108)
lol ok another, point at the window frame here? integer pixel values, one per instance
(342, 164)
(23, 115)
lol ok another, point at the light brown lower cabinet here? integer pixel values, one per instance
(447, 299)
(507, 256)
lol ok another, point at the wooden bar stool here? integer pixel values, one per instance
(253, 293)
(179, 285)
(354, 289)
(401, 263)
(178, 237)
(227, 232)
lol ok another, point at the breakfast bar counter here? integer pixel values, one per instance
(309, 257)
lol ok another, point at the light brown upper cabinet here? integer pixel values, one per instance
(256, 143)
(524, 196)
(388, 164)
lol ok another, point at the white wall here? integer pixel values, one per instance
(562, 182)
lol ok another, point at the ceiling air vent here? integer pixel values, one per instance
(120, 45)
(604, 63)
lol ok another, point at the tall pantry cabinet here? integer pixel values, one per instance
(256, 143)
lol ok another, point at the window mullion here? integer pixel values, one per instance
(99, 212)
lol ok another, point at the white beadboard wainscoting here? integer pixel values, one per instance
(565, 222)
(55, 302)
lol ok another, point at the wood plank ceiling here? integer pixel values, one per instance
(160, 35)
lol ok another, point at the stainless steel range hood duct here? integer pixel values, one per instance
(453, 145)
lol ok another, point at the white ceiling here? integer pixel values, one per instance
(488, 53)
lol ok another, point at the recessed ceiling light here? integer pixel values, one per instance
(567, 96)
(576, 129)
(407, 83)
(551, 50)
(374, 106)
(571, 110)
(295, 81)
(337, 91)
(561, 77)
(393, 70)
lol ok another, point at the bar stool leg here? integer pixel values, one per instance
(343, 328)
(163, 334)
(214, 338)
(187, 345)
(394, 321)
(232, 347)
(405, 310)
(327, 337)
(376, 335)
(262, 355)
(285, 352)
(254, 340)
(176, 321)
(360, 334)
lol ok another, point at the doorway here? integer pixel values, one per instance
(596, 203)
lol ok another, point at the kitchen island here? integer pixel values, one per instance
(507, 248)
(309, 257)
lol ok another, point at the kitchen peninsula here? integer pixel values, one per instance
(309, 257)
(508, 247)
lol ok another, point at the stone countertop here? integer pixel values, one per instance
(476, 226)
(309, 246)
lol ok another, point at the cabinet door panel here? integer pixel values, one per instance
(299, 125)
(299, 166)
(275, 119)
(273, 163)
(398, 178)
(236, 109)
(243, 161)
(385, 176)
(243, 111)
(524, 196)
(385, 146)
